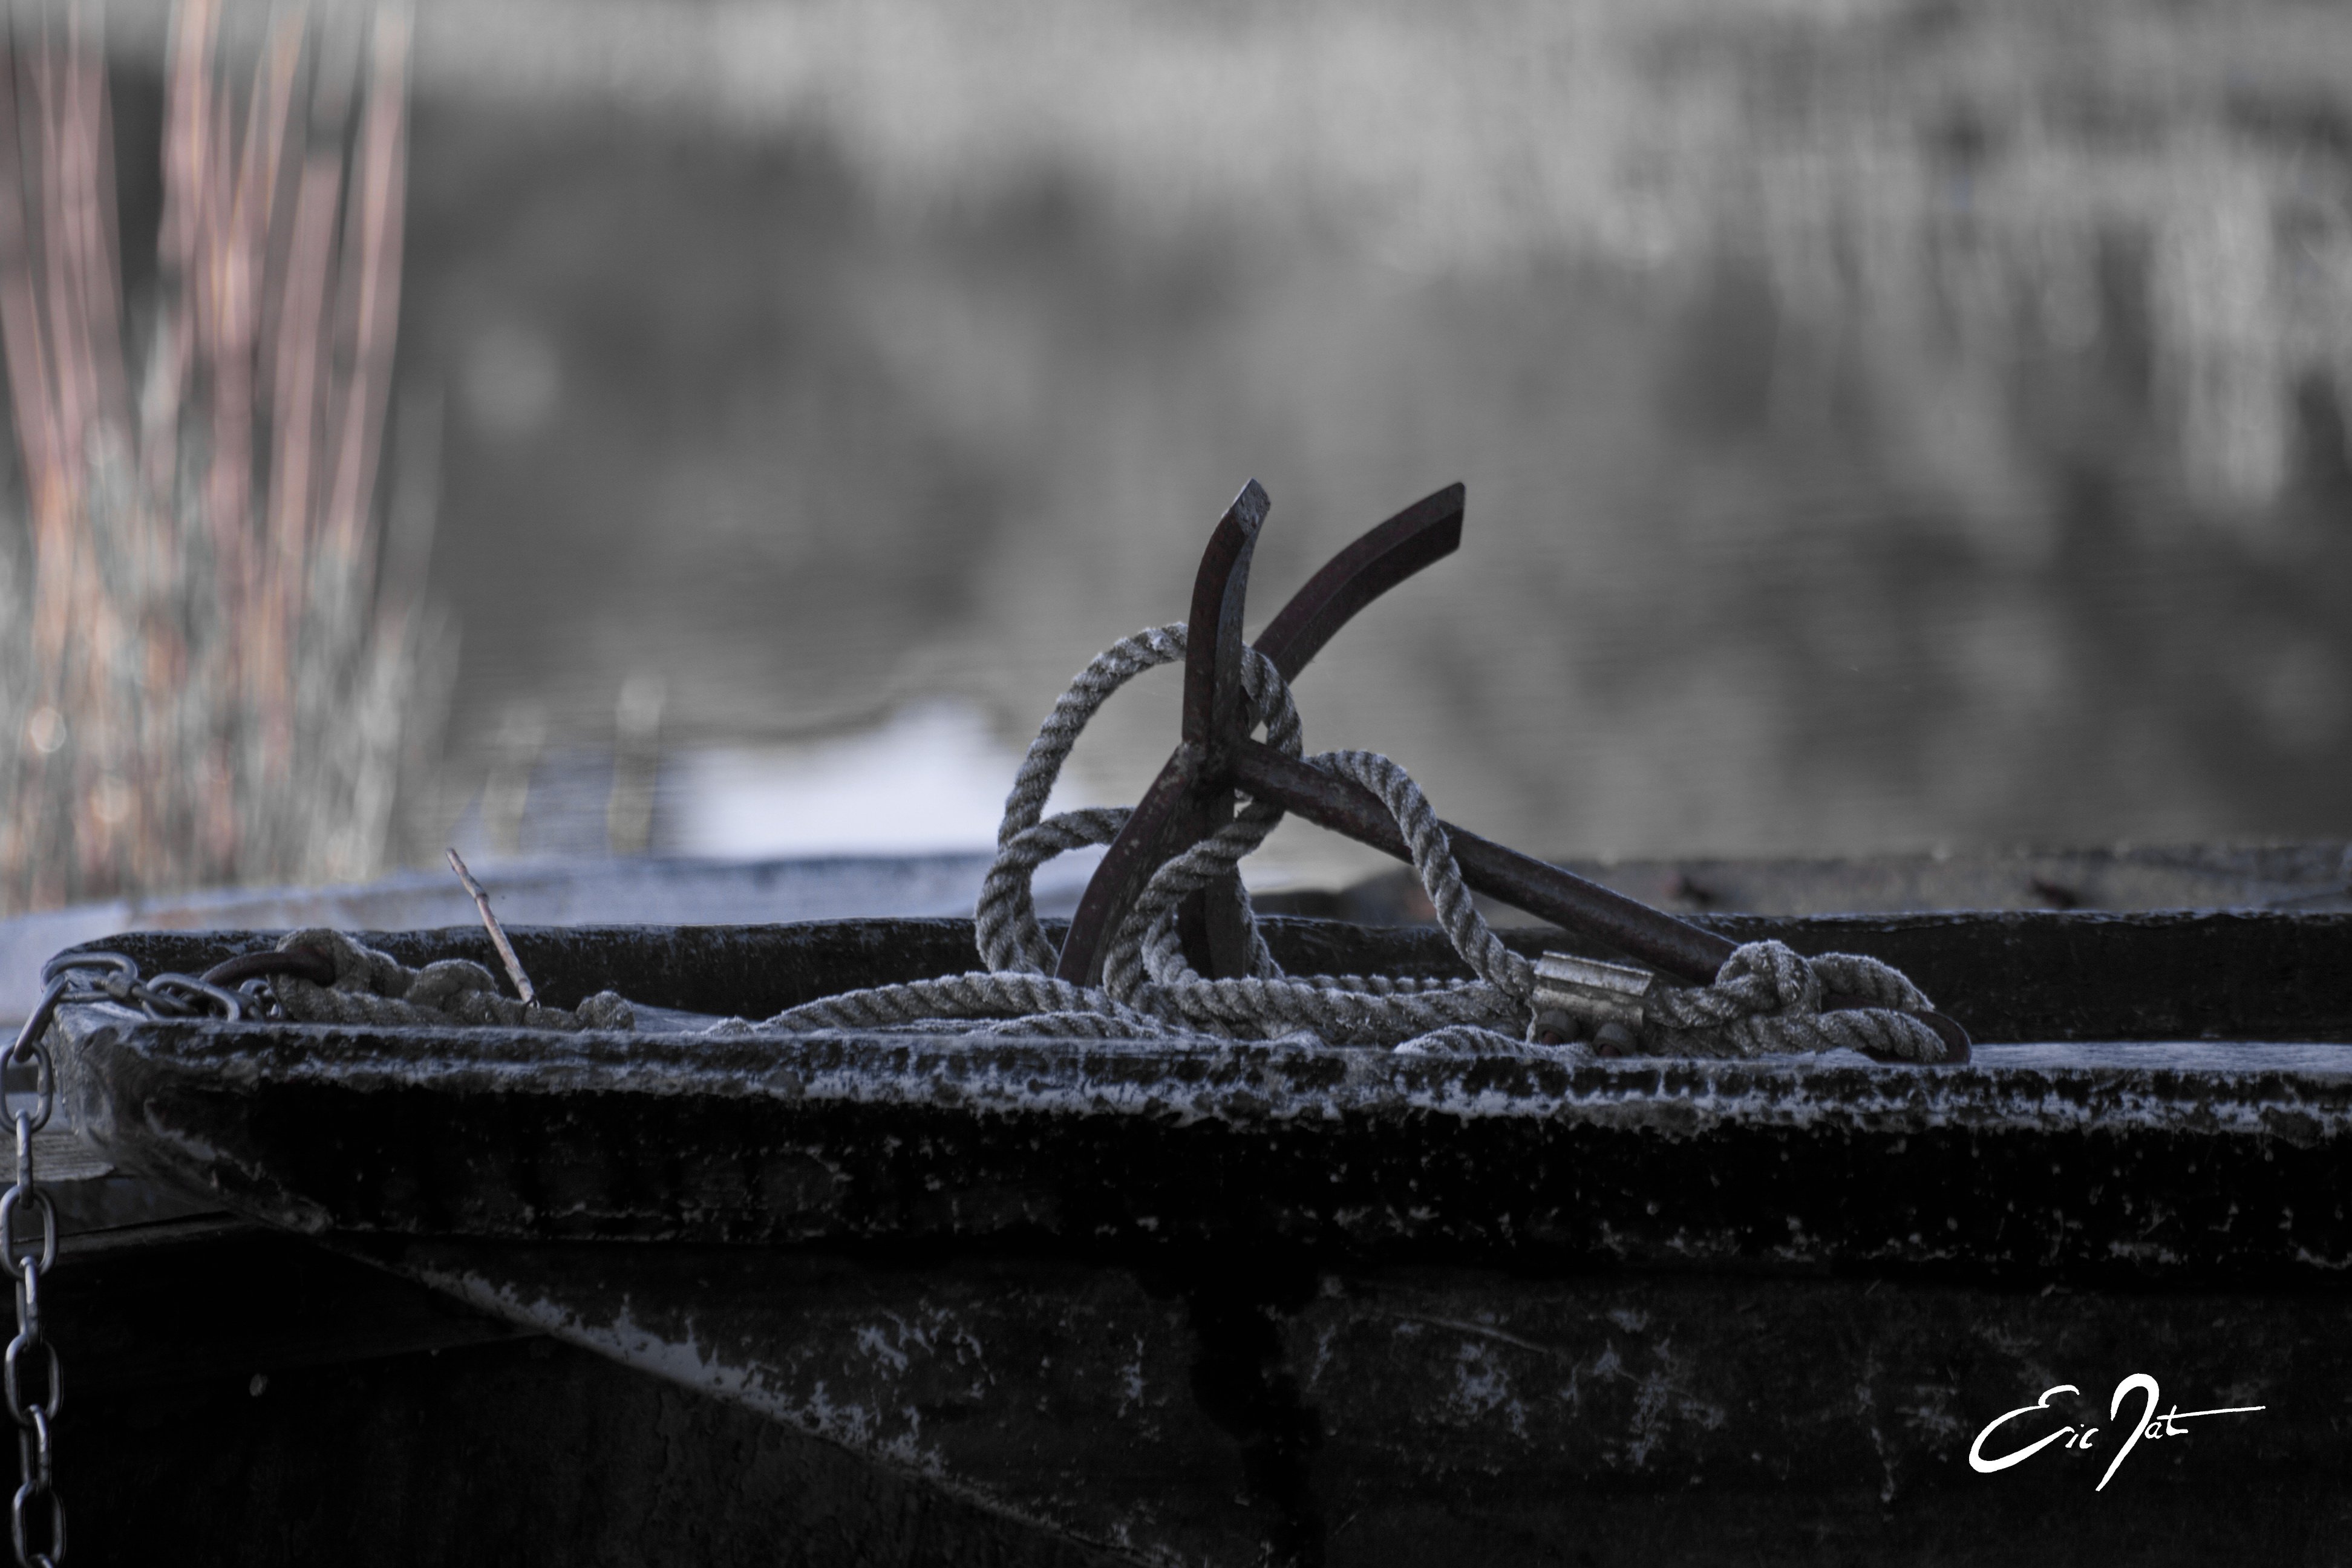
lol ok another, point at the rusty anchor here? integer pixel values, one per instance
(1192, 796)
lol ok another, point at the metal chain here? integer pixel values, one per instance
(30, 1257)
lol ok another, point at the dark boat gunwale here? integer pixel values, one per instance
(2009, 975)
(2030, 1169)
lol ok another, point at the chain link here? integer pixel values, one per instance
(32, 1380)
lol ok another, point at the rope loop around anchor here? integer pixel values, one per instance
(1765, 1000)
(1006, 916)
(1144, 968)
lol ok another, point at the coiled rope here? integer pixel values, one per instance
(1765, 999)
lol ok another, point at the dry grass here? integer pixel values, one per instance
(211, 653)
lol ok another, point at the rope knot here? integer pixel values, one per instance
(1765, 1000)
(373, 987)
(1769, 978)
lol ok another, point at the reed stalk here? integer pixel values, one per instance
(208, 678)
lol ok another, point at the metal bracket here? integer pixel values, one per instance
(1585, 999)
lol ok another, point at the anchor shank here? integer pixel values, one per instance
(1125, 867)
(1563, 898)
(1522, 882)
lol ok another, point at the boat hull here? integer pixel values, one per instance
(1269, 1303)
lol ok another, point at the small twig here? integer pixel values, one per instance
(497, 937)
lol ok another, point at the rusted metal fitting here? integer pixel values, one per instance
(1589, 989)
(1585, 999)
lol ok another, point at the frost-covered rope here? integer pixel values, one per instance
(373, 987)
(1145, 971)
(1146, 967)
(1005, 920)
(1765, 999)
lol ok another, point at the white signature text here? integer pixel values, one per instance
(2150, 1426)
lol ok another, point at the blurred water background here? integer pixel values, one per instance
(1887, 425)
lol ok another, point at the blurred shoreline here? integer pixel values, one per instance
(1885, 427)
